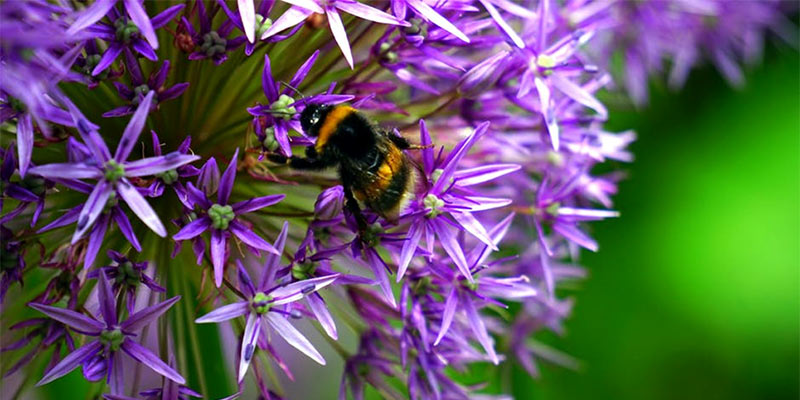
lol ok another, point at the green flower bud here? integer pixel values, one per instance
(433, 204)
(114, 171)
(112, 338)
(168, 177)
(221, 216)
(260, 303)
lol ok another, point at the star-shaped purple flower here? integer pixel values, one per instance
(269, 302)
(112, 173)
(125, 34)
(102, 356)
(448, 202)
(208, 42)
(127, 275)
(135, 10)
(221, 219)
(140, 88)
(46, 111)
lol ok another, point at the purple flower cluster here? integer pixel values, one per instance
(499, 97)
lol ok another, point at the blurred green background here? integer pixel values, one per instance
(694, 292)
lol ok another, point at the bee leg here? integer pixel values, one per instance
(298, 162)
(352, 206)
(404, 144)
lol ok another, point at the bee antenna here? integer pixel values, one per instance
(302, 96)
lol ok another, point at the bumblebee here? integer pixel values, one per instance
(371, 162)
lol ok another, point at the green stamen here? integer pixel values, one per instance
(114, 171)
(371, 235)
(304, 270)
(433, 204)
(221, 216)
(112, 338)
(128, 275)
(260, 303)
(545, 61)
(552, 209)
(262, 25)
(141, 90)
(269, 142)
(281, 107)
(126, 30)
(168, 177)
(213, 44)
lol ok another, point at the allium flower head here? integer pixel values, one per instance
(495, 110)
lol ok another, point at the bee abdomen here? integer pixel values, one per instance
(390, 198)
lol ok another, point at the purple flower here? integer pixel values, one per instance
(112, 173)
(112, 213)
(312, 262)
(254, 23)
(86, 63)
(555, 67)
(36, 54)
(140, 88)
(553, 207)
(168, 391)
(136, 12)
(27, 190)
(511, 8)
(46, 111)
(274, 120)
(124, 34)
(210, 43)
(127, 275)
(52, 333)
(421, 8)
(269, 302)
(172, 177)
(448, 202)
(101, 357)
(301, 9)
(466, 296)
(12, 261)
(221, 219)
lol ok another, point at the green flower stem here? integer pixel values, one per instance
(137, 373)
(343, 353)
(264, 364)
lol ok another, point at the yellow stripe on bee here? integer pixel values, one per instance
(332, 121)
(391, 165)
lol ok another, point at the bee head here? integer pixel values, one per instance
(312, 118)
